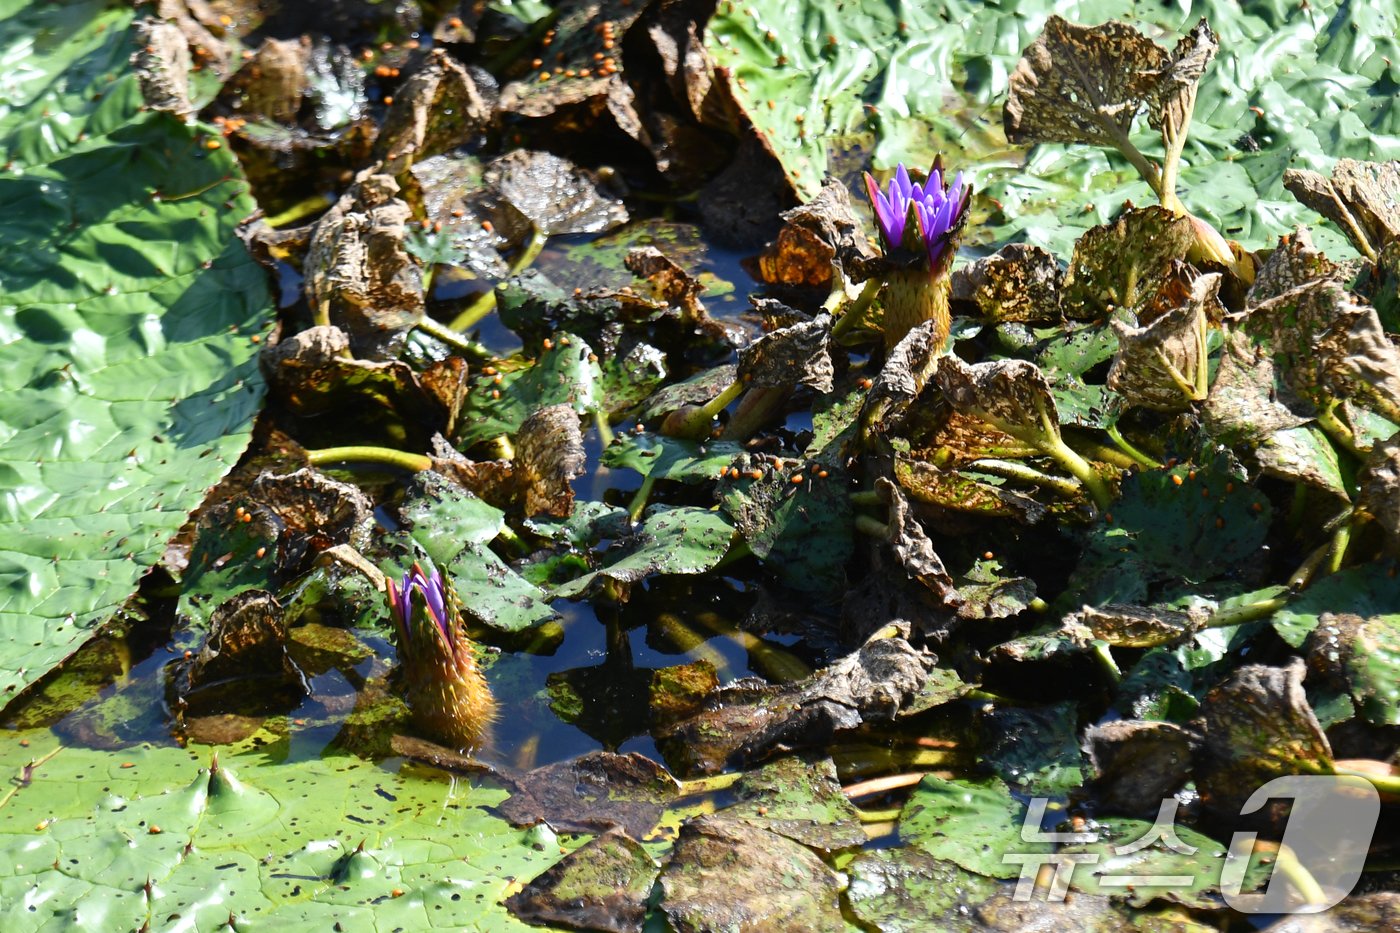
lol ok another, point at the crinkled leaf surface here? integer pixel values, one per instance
(151, 835)
(130, 382)
(907, 81)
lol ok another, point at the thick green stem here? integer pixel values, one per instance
(395, 458)
(1249, 612)
(605, 431)
(709, 785)
(317, 202)
(872, 527)
(879, 816)
(1136, 455)
(1385, 783)
(855, 314)
(452, 338)
(639, 499)
(866, 497)
(1055, 446)
(1103, 652)
(486, 302)
(1010, 469)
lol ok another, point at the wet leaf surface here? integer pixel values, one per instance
(593, 793)
(724, 873)
(602, 885)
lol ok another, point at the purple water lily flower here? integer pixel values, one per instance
(938, 209)
(434, 595)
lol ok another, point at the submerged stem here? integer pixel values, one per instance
(485, 303)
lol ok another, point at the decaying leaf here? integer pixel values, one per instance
(1362, 198)
(1328, 347)
(818, 239)
(793, 355)
(1379, 492)
(1293, 263)
(313, 373)
(437, 109)
(748, 723)
(953, 489)
(1137, 626)
(246, 642)
(1010, 395)
(1017, 283)
(1361, 657)
(1162, 365)
(1248, 400)
(1125, 263)
(908, 368)
(163, 67)
(359, 273)
(1138, 764)
(549, 456)
(913, 548)
(271, 84)
(555, 195)
(592, 793)
(1256, 727)
(1086, 84)
(727, 875)
(603, 885)
(799, 799)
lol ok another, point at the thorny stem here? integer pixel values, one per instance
(1122, 443)
(416, 463)
(485, 303)
(452, 338)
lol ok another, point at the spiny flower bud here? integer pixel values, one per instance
(447, 694)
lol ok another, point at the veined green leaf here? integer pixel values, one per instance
(127, 305)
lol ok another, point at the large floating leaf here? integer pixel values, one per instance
(100, 842)
(904, 81)
(126, 315)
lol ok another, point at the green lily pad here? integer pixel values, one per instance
(1368, 590)
(660, 457)
(972, 824)
(150, 833)
(680, 540)
(565, 374)
(129, 319)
